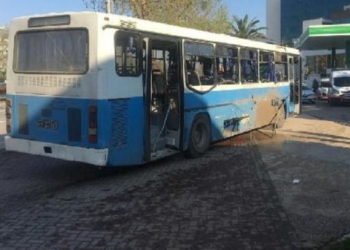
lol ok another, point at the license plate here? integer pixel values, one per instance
(48, 124)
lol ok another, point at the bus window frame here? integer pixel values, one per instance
(257, 50)
(190, 87)
(140, 38)
(284, 63)
(229, 46)
(15, 52)
(267, 52)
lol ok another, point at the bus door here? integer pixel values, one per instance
(295, 80)
(163, 96)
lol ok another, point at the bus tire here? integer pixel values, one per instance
(281, 117)
(200, 136)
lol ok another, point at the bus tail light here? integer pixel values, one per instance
(93, 124)
(8, 115)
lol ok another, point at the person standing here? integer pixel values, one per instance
(315, 85)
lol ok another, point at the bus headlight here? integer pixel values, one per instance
(8, 115)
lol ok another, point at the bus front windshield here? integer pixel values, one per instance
(53, 51)
(343, 81)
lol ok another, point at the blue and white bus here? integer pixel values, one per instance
(112, 90)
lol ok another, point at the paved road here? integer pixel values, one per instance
(322, 110)
(313, 150)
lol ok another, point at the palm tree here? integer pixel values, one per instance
(244, 28)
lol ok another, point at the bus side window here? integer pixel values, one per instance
(281, 67)
(249, 65)
(267, 67)
(128, 49)
(227, 65)
(200, 64)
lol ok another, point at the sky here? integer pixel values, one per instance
(254, 8)
(10, 9)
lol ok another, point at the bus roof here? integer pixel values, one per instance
(118, 21)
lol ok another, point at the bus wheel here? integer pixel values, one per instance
(281, 117)
(199, 141)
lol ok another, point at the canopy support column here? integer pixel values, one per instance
(347, 54)
(334, 58)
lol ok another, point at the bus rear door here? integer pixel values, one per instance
(163, 96)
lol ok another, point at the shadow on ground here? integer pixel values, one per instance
(224, 200)
(310, 172)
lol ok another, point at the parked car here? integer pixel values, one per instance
(324, 88)
(308, 95)
(340, 87)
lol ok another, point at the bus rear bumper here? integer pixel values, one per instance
(98, 157)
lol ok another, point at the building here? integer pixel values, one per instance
(273, 20)
(3, 52)
(285, 17)
(287, 20)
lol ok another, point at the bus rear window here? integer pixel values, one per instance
(128, 53)
(54, 51)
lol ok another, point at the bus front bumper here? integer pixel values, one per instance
(98, 157)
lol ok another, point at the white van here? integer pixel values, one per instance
(340, 87)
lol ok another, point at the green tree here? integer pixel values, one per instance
(245, 28)
(209, 15)
(3, 52)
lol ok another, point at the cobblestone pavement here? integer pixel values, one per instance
(224, 200)
(315, 152)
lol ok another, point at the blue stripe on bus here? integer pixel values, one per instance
(55, 109)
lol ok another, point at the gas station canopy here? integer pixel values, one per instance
(324, 37)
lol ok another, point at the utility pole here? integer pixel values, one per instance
(108, 6)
